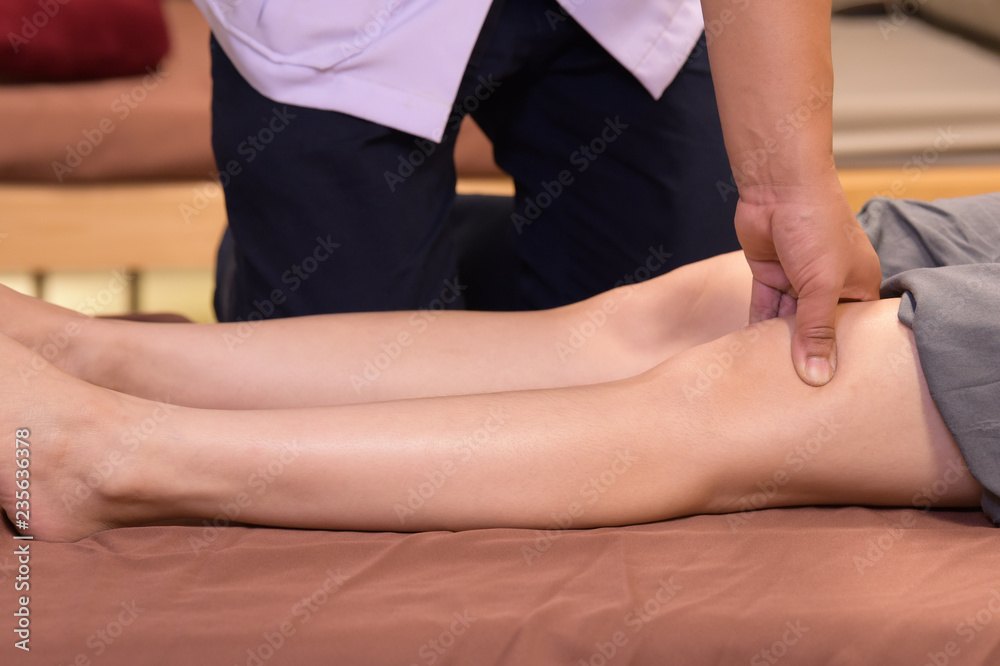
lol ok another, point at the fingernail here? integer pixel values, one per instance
(818, 371)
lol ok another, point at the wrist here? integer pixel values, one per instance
(816, 180)
(802, 158)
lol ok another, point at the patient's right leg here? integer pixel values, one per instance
(370, 357)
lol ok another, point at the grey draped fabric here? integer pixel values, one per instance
(942, 259)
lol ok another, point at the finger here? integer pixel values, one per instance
(771, 274)
(788, 305)
(764, 302)
(865, 283)
(814, 342)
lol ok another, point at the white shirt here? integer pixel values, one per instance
(399, 63)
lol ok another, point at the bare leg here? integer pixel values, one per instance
(696, 434)
(340, 359)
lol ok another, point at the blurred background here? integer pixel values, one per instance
(110, 201)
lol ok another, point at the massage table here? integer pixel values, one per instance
(830, 585)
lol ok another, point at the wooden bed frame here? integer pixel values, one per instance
(155, 226)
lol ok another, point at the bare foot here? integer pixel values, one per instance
(58, 480)
(51, 331)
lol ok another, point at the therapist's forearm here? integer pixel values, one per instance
(773, 78)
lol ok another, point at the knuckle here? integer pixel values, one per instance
(819, 333)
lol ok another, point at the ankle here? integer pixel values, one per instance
(96, 353)
(95, 476)
(153, 481)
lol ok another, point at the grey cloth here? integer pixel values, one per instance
(942, 259)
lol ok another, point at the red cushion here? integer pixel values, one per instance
(58, 40)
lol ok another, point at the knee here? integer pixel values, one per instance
(652, 320)
(758, 357)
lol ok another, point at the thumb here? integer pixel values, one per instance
(814, 342)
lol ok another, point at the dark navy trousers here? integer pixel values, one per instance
(331, 213)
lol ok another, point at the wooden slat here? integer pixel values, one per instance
(860, 184)
(132, 226)
(926, 185)
(178, 225)
(496, 186)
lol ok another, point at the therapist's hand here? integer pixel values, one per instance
(773, 74)
(807, 252)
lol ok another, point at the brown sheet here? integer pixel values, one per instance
(808, 586)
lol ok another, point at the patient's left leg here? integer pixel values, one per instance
(368, 357)
(702, 433)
